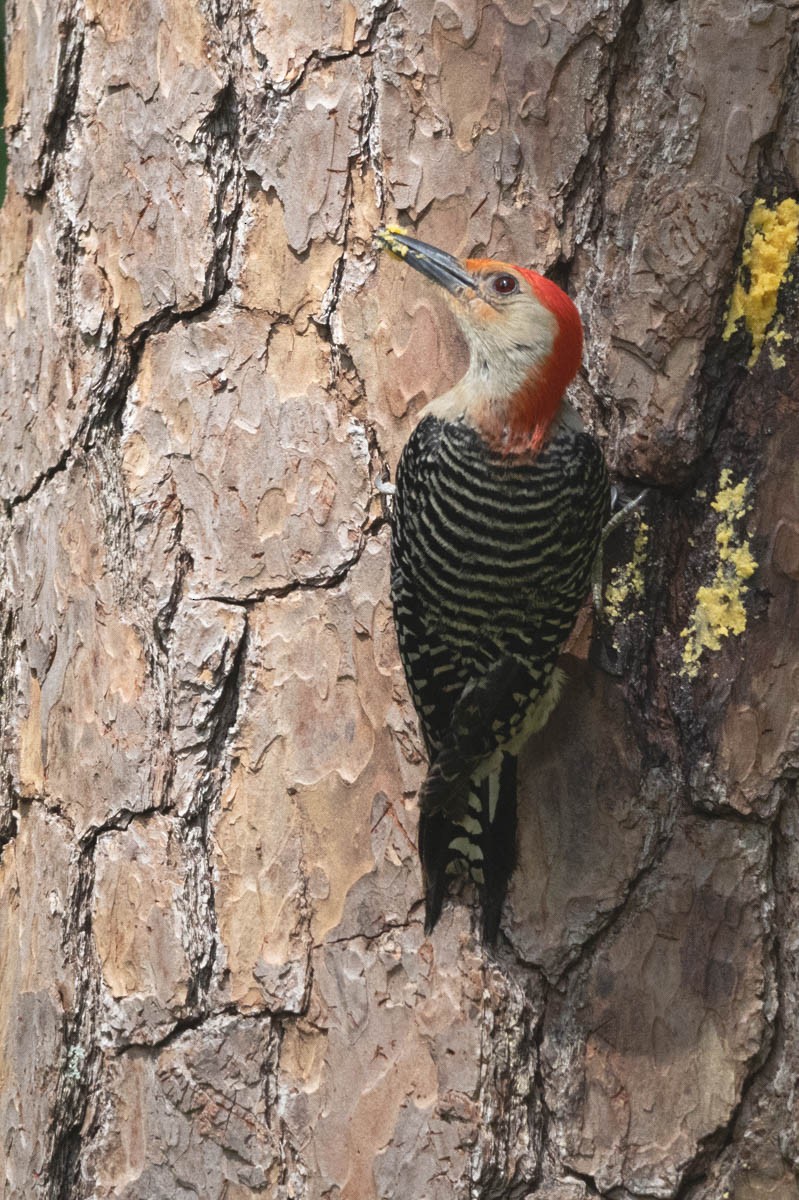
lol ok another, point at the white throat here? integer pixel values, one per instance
(501, 358)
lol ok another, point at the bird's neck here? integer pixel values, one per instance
(512, 403)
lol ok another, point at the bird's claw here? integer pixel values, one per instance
(621, 516)
(615, 521)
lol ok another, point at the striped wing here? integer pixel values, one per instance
(491, 559)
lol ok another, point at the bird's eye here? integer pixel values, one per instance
(505, 285)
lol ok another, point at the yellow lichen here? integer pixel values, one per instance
(769, 243)
(627, 580)
(776, 336)
(387, 239)
(719, 610)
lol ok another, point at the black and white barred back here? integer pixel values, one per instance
(491, 560)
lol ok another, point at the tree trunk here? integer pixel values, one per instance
(214, 981)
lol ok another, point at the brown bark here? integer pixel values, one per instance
(213, 977)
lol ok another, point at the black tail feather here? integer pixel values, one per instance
(435, 835)
(499, 848)
(498, 844)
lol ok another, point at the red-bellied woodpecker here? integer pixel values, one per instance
(500, 501)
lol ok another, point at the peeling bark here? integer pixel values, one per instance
(213, 976)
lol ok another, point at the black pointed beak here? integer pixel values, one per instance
(436, 264)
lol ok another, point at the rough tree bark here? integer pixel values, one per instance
(213, 977)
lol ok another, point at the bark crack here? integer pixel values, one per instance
(189, 1024)
(542, 1149)
(363, 47)
(369, 938)
(327, 579)
(583, 188)
(200, 889)
(220, 135)
(652, 856)
(712, 1149)
(587, 1180)
(118, 375)
(65, 95)
(81, 1055)
(9, 801)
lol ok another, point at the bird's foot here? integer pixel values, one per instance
(622, 515)
(615, 521)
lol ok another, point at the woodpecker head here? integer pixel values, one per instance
(524, 334)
